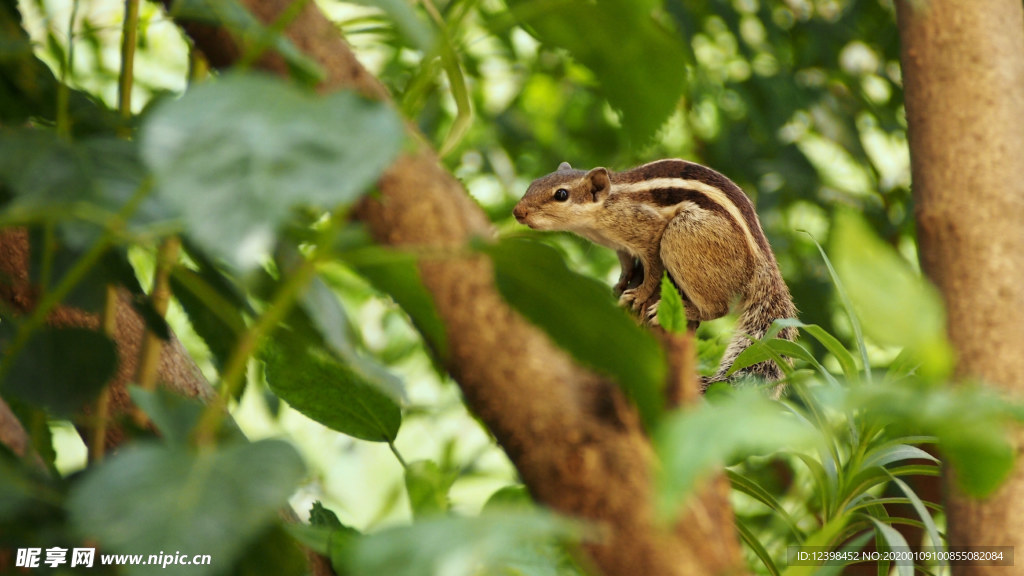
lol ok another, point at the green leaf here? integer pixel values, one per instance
(897, 306)
(273, 552)
(175, 415)
(234, 166)
(921, 509)
(319, 515)
(844, 298)
(408, 21)
(59, 369)
(149, 498)
(493, 543)
(428, 487)
(30, 89)
(751, 488)
(515, 496)
(831, 343)
(579, 315)
(317, 384)
(894, 541)
(321, 310)
(398, 275)
(671, 312)
(754, 544)
(24, 488)
(639, 65)
(81, 186)
(693, 443)
(329, 541)
(896, 453)
(212, 315)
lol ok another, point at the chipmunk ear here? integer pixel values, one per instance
(564, 166)
(600, 183)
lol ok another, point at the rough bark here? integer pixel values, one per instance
(177, 372)
(963, 71)
(577, 445)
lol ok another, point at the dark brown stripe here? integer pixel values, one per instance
(691, 171)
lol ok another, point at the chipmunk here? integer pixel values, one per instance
(679, 217)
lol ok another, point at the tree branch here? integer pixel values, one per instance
(576, 443)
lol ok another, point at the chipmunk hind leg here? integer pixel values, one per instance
(708, 259)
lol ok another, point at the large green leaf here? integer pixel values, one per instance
(234, 156)
(320, 312)
(897, 306)
(579, 315)
(150, 498)
(315, 382)
(59, 369)
(640, 66)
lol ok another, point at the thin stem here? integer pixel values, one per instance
(398, 455)
(235, 369)
(98, 437)
(160, 296)
(49, 248)
(129, 38)
(66, 69)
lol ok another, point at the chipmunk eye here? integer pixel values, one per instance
(561, 195)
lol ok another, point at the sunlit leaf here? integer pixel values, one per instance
(407, 20)
(671, 313)
(897, 306)
(427, 485)
(831, 343)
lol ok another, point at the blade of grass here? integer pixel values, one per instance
(858, 334)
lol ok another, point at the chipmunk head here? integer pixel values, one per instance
(564, 199)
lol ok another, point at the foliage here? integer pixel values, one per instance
(289, 301)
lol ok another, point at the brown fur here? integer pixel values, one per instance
(681, 217)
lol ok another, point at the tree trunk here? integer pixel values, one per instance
(963, 72)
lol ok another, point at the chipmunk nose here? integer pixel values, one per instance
(520, 212)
